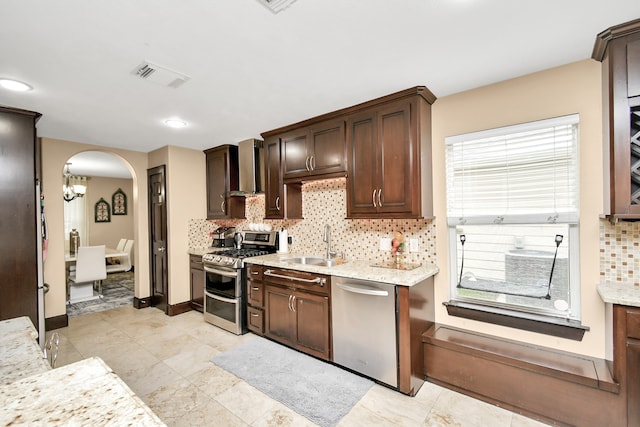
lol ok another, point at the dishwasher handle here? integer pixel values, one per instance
(362, 289)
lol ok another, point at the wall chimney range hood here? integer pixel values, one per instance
(251, 167)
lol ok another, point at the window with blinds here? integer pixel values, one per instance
(512, 211)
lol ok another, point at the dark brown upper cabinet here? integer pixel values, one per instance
(282, 201)
(382, 146)
(314, 152)
(389, 159)
(222, 180)
(618, 48)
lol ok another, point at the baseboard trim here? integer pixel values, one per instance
(56, 322)
(179, 308)
(141, 302)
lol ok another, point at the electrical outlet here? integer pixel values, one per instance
(413, 245)
(385, 243)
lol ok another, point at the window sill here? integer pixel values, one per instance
(557, 327)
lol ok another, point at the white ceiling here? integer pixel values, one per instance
(253, 71)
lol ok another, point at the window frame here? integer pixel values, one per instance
(547, 322)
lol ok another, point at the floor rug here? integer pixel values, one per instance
(117, 291)
(319, 391)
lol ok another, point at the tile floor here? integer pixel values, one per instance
(165, 360)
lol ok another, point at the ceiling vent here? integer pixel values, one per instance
(276, 6)
(162, 76)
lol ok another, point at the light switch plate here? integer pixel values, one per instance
(413, 245)
(385, 243)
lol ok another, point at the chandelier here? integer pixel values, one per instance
(73, 186)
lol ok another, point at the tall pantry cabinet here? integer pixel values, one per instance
(18, 225)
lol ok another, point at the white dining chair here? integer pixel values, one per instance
(121, 244)
(90, 271)
(125, 261)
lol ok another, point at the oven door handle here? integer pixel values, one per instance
(223, 299)
(224, 273)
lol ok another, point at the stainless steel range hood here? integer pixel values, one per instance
(251, 166)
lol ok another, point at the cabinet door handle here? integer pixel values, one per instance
(290, 309)
(312, 162)
(293, 303)
(255, 273)
(255, 315)
(307, 163)
(278, 203)
(222, 206)
(373, 198)
(379, 200)
(255, 288)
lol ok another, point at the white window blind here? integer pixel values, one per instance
(526, 173)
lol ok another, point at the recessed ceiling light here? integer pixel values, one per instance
(175, 123)
(15, 85)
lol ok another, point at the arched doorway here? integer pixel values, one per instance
(100, 212)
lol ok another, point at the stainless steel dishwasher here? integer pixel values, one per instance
(364, 328)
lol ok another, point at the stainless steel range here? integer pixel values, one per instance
(225, 278)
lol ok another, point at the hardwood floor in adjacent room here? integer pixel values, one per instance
(166, 362)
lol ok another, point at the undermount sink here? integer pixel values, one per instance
(322, 262)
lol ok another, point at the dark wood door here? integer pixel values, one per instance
(633, 383)
(280, 319)
(312, 324)
(273, 200)
(398, 160)
(158, 238)
(295, 154)
(362, 148)
(18, 231)
(217, 185)
(327, 148)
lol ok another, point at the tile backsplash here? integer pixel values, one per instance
(620, 252)
(324, 202)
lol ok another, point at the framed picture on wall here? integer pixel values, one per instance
(102, 211)
(119, 202)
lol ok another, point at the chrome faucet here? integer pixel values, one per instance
(326, 237)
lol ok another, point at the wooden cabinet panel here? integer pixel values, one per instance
(255, 293)
(327, 148)
(295, 155)
(255, 320)
(222, 179)
(281, 201)
(315, 151)
(633, 324)
(197, 282)
(280, 321)
(384, 178)
(633, 383)
(312, 330)
(297, 310)
(633, 69)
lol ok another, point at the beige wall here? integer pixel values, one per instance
(54, 155)
(120, 226)
(574, 88)
(186, 199)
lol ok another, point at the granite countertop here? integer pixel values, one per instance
(620, 293)
(87, 392)
(20, 354)
(357, 269)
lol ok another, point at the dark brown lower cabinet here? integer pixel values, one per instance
(299, 320)
(633, 382)
(197, 282)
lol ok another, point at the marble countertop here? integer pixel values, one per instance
(20, 354)
(87, 392)
(357, 269)
(620, 293)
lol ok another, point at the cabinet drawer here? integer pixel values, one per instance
(254, 272)
(255, 293)
(255, 320)
(195, 261)
(633, 324)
